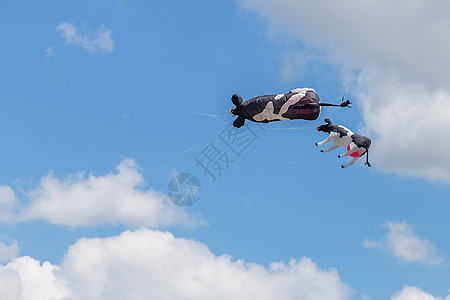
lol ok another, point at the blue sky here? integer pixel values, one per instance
(103, 102)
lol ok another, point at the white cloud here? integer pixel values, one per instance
(102, 39)
(50, 51)
(410, 123)
(403, 65)
(80, 200)
(8, 251)
(8, 204)
(414, 293)
(25, 278)
(402, 243)
(371, 244)
(9, 284)
(150, 264)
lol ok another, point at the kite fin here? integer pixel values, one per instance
(239, 122)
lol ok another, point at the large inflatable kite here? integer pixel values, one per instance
(357, 145)
(301, 103)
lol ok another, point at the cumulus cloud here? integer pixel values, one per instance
(100, 40)
(80, 200)
(410, 123)
(26, 278)
(402, 63)
(414, 293)
(402, 243)
(150, 264)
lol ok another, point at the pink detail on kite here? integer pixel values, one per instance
(354, 154)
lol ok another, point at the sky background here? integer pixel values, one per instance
(103, 102)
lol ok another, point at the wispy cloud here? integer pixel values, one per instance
(8, 249)
(101, 40)
(8, 204)
(402, 243)
(371, 244)
(50, 51)
(79, 200)
(150, 264)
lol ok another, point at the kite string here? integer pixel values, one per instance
(283, 155)
(217, 117)
(290, 128)
(282, 161)
(194, 148)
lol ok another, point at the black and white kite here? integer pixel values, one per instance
(357, 145)
(301, 103)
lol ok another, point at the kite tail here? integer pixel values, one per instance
(343, 104)
(312, 105)
(367, 163)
